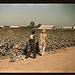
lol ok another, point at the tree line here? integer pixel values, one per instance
(32, 25)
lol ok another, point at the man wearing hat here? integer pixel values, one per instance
(42, 42)
(32, 46)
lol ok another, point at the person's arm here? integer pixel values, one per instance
(46, 38)
(39, 37)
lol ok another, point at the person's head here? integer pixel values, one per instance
(16, 46)
(33, 32)
(43, 31)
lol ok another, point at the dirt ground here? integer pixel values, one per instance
(63, 60)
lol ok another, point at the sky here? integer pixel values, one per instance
(59, 15)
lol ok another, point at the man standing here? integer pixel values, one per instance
(32, 46)
(42, 42)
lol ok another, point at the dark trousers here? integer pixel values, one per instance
(32, 50)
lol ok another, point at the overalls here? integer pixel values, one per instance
(32, 46)
(42, 44)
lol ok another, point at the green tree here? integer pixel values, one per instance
(38, 25)
(32, 24)
(6, 26)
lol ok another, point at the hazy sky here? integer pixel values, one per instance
(22, 14)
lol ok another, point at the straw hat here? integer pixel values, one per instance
(43, 30)
(16, 46)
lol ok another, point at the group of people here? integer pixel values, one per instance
(32, 44)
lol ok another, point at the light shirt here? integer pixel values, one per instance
(31, 36)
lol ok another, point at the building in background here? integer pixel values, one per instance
(1, 26)
(14, 27)
(52, 27)
(73, 27)
(67, 28)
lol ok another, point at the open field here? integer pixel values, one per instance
(59, 57)
(56, 38)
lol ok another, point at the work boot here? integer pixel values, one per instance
(40, 54)
(34, 57)
(26, 57)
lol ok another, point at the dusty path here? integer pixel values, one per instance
(61, 61)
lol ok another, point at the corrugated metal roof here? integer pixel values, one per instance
(46, 27)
